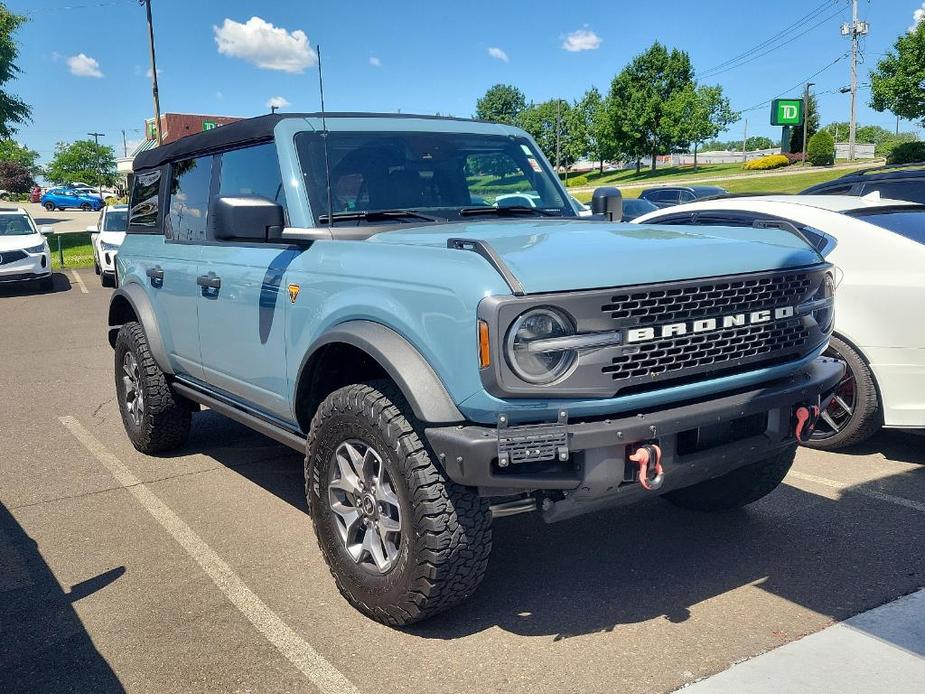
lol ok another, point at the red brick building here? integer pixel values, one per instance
(177, 125)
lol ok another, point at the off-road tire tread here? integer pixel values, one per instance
(737, 488)
(167, 419)
(868, 417)
(453, 544)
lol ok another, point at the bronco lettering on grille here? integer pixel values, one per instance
(704, 325)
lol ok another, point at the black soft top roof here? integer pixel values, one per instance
(242, 132)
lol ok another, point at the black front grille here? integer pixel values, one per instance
(714, 298)
(709, 350)
(11, 256)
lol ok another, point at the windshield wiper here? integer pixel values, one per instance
(509, 211)
(377, 216)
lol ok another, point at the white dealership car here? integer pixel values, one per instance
(878, 249)
(24, 254)
(106, 237)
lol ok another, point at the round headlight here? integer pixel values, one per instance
(540, 364)
(826, 314)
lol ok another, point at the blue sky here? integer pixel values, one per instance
(85, 61)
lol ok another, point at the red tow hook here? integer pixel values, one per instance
(649, 459)
(806, 417)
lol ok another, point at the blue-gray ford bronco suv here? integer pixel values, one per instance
(414, 303)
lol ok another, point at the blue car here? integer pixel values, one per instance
(64, 198)
(363, 289)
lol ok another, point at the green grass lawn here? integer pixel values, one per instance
(77, 250)
(629, 176)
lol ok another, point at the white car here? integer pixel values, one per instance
(106, 237)
(533, 200)
(878, 249)
(24, 253)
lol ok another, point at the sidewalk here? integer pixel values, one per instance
(882, 650)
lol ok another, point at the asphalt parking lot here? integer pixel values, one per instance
(199, 571)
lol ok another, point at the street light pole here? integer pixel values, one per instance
(157, 101)
(806, 116)
(99, 169)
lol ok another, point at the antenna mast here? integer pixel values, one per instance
(324, 143)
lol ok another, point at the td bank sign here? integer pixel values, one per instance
(787, 112)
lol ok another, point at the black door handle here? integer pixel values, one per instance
(209, 281)
(155, 274)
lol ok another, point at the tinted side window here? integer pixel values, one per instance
(252, 171)
(143, 211)
(664, 196)
(687, 196)
(912, 189)
(836, 190)
(190, 183)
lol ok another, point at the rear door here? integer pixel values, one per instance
(242, 321)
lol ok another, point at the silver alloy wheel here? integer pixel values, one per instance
(366, 508)
(838, 414)
(134, 391)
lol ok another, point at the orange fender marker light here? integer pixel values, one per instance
(484, 351)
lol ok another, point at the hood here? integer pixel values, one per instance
(565, 255)
(14, 243)
(114, 237)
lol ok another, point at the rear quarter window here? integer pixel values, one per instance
(911, 189)
(144, 207)
(908, 223)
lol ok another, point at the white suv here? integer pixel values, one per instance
(107, 236)
(24, 254)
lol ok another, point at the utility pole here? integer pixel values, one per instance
(124, 146)
(855, 30)
(806, 116)
(744, 140)
(157, 101)
(99, 169)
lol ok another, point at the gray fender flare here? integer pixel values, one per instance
(420, 385)
(140, 304)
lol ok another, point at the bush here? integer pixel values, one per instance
(794, 157)
(821, 149)
(771, 161)
(576, 181)
(906, 153)
(113, 200)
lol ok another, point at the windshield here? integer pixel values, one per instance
(115, 220)
(905, 221)
(15, 225)
(443, 175)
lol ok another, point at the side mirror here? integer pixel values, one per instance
(608, 202)
(47, 231)
(245, 217)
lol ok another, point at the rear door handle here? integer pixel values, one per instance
(156, 275)
(210, 281)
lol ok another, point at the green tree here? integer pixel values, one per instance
(15, 178)
(896, 85)
(645, 99)
(502, 103)
(27, 158)
(543, 122)
(821, 149)
(13, 110)
(698, 114)
(82, 160)
(812, 125)
(759, 142)
(600, 141)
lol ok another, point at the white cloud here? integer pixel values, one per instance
(266, 46)
(581, 40)
(84, 66)
(148, 73)
(278, 102)
(498, 54)
(917, 18)
(375, 62)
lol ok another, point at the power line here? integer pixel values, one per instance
(798, 84)
(812, 14)
(85, 6)
(775, 47)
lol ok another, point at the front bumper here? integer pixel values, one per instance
(33, 267)
(699, 440)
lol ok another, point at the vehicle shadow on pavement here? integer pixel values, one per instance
(901, 446)
(60, 283)
(44, 646)
(652, 560)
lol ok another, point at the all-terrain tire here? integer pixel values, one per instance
(737, 488)
(165, 422)
(867, 417)
(445, 528)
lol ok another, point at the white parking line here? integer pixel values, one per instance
(872, 493)
(313, 665)
(79, 281)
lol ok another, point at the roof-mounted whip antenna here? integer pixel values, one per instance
(324, 143)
